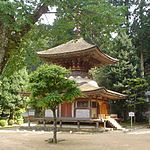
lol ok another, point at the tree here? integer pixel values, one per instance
(127, 66)
(135, 88)
(50, 87)
(10, 88)
(16, 20)
(140, 32)
(137, 26)
(37, 39)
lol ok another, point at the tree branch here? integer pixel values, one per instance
(40, 10)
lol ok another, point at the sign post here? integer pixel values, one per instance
(31, 113)
(131, 114)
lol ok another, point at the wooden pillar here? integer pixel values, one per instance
(60, 123)
(44, 123)
(97, 124)
(29, 122)
(99, 113)
(104, 124)
(78, 124)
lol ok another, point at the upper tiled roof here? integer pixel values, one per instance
(71, 46)
(74, 47)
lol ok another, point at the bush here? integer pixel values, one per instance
(3, 123)
(19, 121)
(10, 122)
(18, 116)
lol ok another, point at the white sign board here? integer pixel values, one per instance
(31, 112)
(82, 113)
(25, 114)
(147, 93)
(131, 114)
(49, 113)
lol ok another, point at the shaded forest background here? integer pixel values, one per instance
(121, 28)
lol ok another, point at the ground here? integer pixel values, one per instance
(111, 140)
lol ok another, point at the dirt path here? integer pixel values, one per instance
(24, 140)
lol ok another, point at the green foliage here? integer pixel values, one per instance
(140, 32)
(3, 123)
(50, 87)
(13, 18)
(36, 40)
(61, 32)
(10, 122)
(19, 121)
(114, 76)
(135, 88)
(10, 98)
(96, 19)
(16, 19)
(140, 27)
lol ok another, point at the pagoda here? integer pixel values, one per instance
(79, 56)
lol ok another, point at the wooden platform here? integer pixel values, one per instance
(62, 120)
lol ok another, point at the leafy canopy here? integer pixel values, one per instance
(114, 76)
(17, 18)
(136, 90)
(51, 87)
(10, 88)
(97, 19)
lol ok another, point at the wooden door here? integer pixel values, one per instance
(66, 110)
(104, 108)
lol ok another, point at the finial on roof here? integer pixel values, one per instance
(77, 29)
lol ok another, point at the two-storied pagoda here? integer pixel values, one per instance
(80, 57)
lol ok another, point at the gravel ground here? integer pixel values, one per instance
(114, 140)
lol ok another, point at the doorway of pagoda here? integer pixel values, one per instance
(104, 109)
(66, 110)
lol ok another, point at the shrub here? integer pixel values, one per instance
(11, 122)
(19, 121)
(3, 123)
(18, 116)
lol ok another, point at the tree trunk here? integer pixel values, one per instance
(134, 113)
(6, 36)
(55, 127)
(3, 44)
(2, 114)
(142, 64)
(11, 115)
(127, 15)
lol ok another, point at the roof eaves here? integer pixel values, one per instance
(117, 94)
(109, 59)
